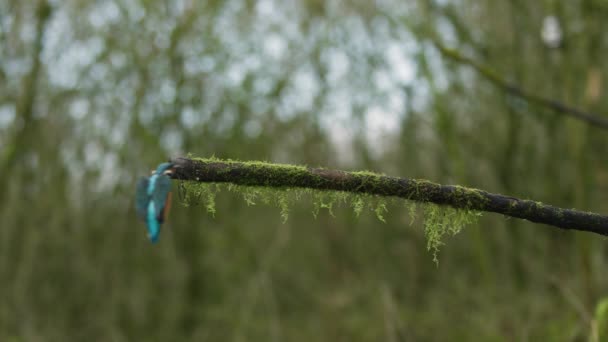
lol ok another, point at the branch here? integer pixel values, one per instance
(29, 91)
(281, 176)
(13, 149)
(592, 119)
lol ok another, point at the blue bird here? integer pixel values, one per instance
(153, 199)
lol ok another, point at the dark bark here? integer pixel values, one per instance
(277, 175)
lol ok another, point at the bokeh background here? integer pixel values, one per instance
(93, 94)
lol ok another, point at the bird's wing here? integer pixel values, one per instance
(142, 198)
(162, 188)
(165, 212)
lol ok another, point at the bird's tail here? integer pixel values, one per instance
(152, 224)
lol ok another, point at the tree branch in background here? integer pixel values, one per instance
(25, 104)
(514, 89)
(13, 150)
(282, 176)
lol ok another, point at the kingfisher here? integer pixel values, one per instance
(153, 199)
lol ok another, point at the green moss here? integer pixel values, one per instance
(468, 197)
(381, 209)
(195, 192)
(283, 203)
(442, 220)
(286, 173)
(439, 221)
(411, 209)
(357, 203)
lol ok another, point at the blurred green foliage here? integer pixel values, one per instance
(93, 94)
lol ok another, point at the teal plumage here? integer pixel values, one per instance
(152, 199)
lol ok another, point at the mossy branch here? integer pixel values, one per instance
(292, 176)
(592, 119)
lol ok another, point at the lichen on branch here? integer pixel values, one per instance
(294, 177)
